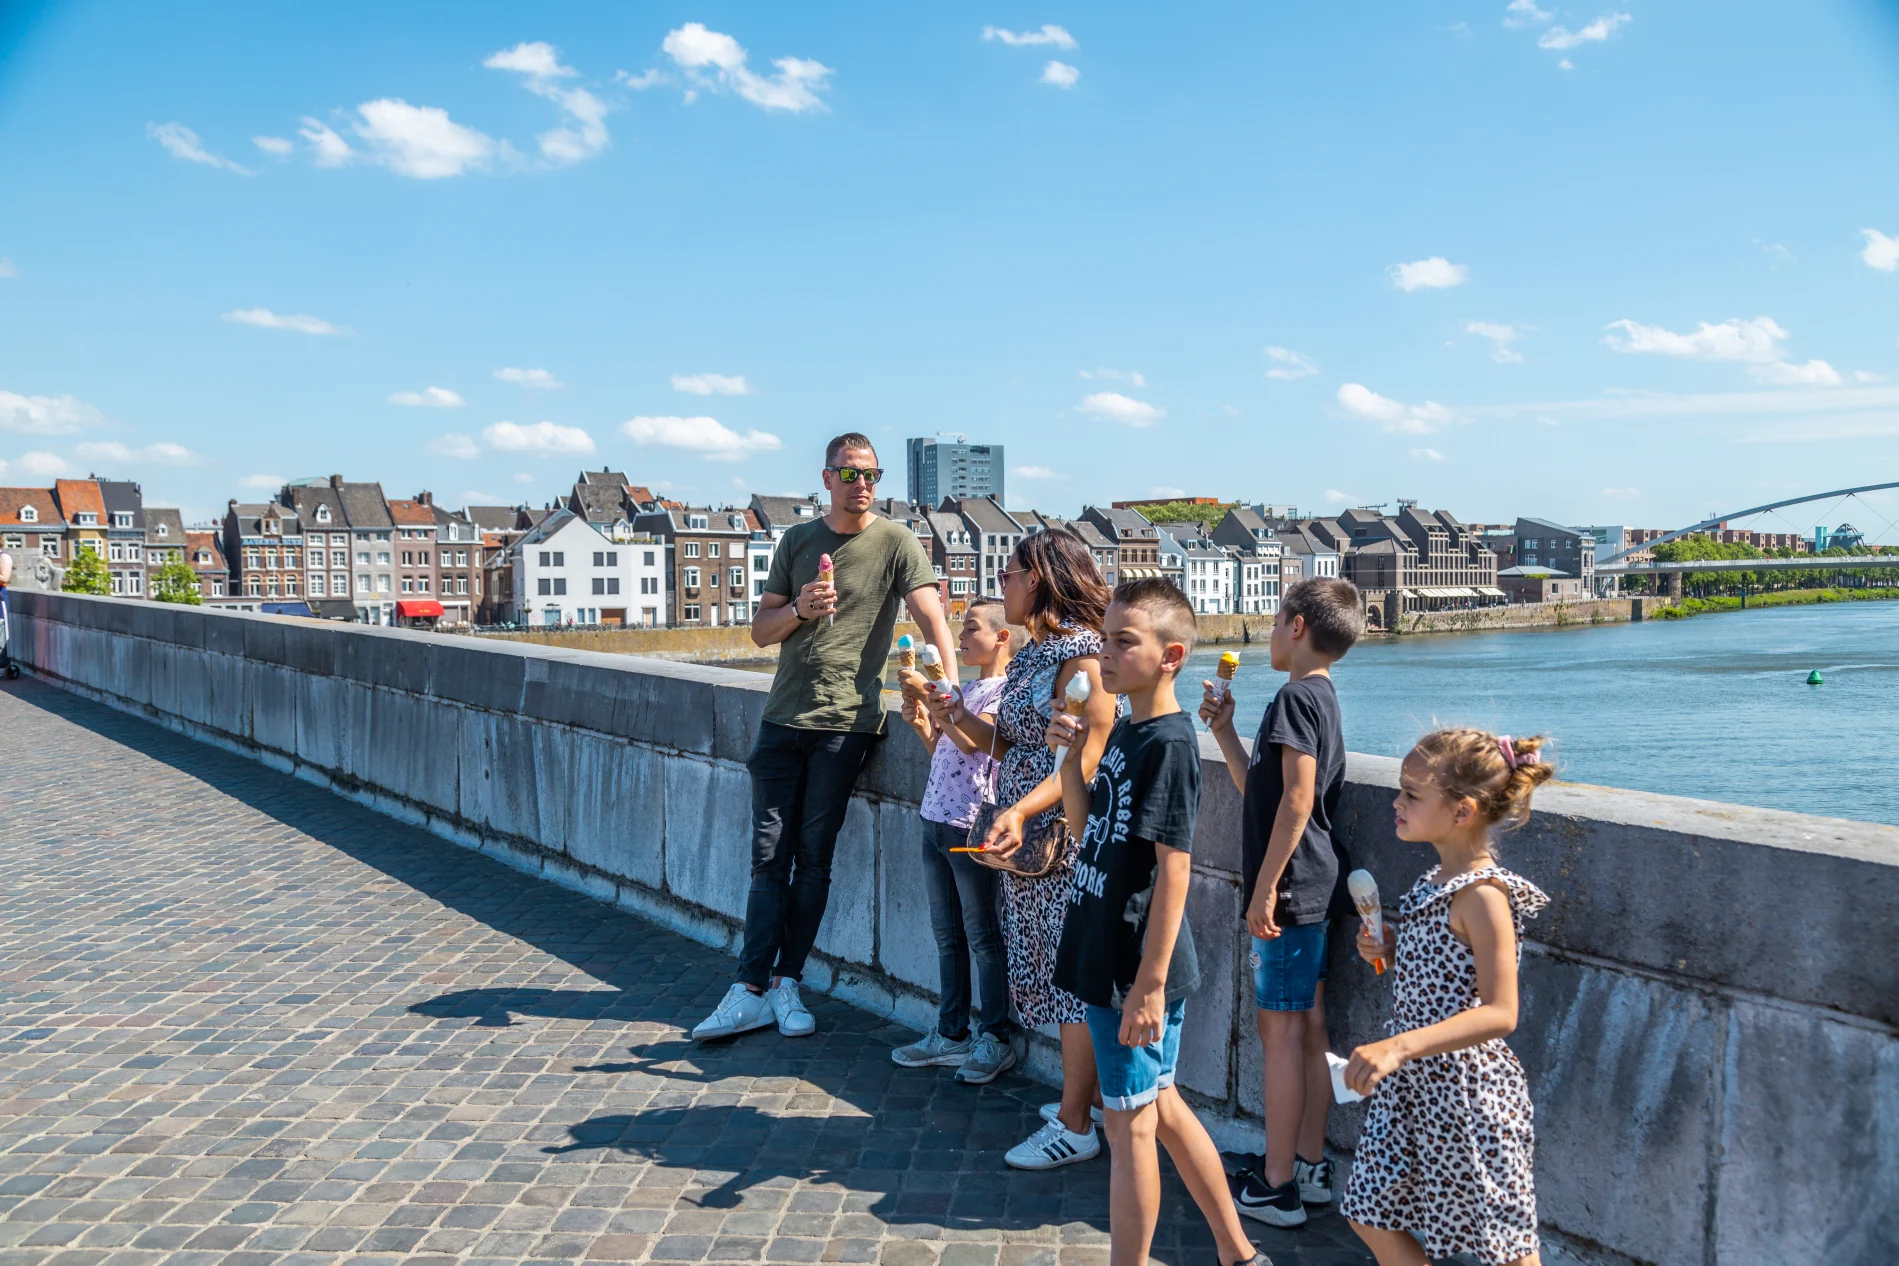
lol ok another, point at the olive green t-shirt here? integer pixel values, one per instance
(831, 673)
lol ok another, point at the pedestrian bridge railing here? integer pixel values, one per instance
(1710, 1002)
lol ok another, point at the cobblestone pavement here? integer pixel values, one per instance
(244, 1020)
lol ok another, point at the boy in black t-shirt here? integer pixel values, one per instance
(1293, 873)
(1126, 949)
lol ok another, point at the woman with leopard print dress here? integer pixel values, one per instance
(1052, 587)
(1444, 1161)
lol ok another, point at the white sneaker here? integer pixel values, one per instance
(1053, 1146)
(794, 1019)
(1053, 1112)
(932, 1050)
(740, 1011)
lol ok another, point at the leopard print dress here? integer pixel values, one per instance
(1033, 909)
(1448, 1143)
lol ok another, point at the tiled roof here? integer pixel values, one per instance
(196, 541)
(598, 502)
(407, 513)
(782, 512)
(170, 519)
(365, 506)
(12, 500)
(988, 516)
(78, 495)
(602, 478)
(121, 496)
(496, 518)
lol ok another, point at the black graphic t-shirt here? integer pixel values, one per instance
(1146, 792)
(1304, 716)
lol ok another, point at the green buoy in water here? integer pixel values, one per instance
(1815, 679)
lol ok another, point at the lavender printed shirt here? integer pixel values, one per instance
(957, 780)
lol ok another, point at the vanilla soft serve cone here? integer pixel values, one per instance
(1074, 699)
(1371, 908)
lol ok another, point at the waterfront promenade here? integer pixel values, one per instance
(243, 1020)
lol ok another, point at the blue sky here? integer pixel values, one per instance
(1619, 262)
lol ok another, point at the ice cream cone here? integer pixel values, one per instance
(1371, 908)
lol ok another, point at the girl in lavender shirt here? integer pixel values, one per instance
(963, 904)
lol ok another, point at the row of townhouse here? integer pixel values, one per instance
(42, 528)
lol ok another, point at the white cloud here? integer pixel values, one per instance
(522, 477)
(1050, 34)
(275, 145)
(1116, 407)
(1880, 252)
(1521, 13)
(329, 149)
(1061, 74)
(7, 269)
(1435, 273)
(182, 143)
(46, 415)
(1500, 336)
(1565, 64)
(1133, 377)
(585, 132)
(539, 378)
(300, 322)
(540, 437)
(1426, 455)
(421, 141)
(428, 398)
(1393, 415)
(713, 385)
(1622, 494)
(1815, 373)
(460, 447)
(1757, 341)
(1601, 29)
(44, 465)
(705, 436)
(642, 81)
(1867, 375)
(476, 497)
(1166, 490)
(717, 62)
(262, 481)
(1334, 497)
(1034, 472)
(163, 453)
(1288, 364)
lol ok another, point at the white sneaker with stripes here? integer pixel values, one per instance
(1053, 1146)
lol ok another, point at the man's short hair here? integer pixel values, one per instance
(1165, 605)
(1332, 611)
(850, 439)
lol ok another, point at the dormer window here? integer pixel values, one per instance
(163, 531)
(696, 521)
(736, 520)
(121, 519)
(323, 514)
(805, 512)
(86, 518)
(29, 514)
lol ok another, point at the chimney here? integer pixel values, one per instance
(233, 505)
(425, 498)
(336, 481)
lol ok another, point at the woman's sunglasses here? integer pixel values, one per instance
(851, 474)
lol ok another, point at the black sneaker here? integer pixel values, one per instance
(1275, 1206)
(1314, 1179)
(1259, 1259)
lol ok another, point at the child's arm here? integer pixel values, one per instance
(919, 719)
(1301, 776)
(1480, 916)
(1217, 712)
(1144, 1010)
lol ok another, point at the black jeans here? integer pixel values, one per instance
(967, 921)
(801, 786)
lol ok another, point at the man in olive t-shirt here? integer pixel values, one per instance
(825, 713)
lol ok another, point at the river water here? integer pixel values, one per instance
(1716, 707)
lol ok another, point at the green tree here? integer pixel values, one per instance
(176, 582)
(88, 573)
(1185, 512)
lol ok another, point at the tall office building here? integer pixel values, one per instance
(947, 466)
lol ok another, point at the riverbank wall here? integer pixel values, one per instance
(1710, 1006)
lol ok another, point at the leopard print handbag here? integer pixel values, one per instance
(1042, 848)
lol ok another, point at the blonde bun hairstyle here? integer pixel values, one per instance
(1496, 771)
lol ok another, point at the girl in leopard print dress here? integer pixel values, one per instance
(1444, 1161)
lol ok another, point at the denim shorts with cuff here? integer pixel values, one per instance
(1287, 970)
(1133, 1076)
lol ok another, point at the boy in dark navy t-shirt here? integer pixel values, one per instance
(1126, 950)
(1292, 870)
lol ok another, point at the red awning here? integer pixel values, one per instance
(414, 610)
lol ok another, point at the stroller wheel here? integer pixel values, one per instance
(13, 671)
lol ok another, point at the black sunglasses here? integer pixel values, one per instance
(851, 474)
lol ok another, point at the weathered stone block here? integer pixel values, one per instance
(616, 816)
(499, 787)
(310, 648)
(1206, 1066)
(850, 920)
(271, 692)
(709, 835)
(906, 946)
(224, 632)
(1809, 1161)
(737, 711)
(471, 673)
(230, 710)
(323, 721)
(415, 740)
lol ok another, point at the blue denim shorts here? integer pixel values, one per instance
(1287, 970)
(1133, 1076)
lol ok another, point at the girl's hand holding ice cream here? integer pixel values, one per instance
(1378, 951)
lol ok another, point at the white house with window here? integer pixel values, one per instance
(566, 571)
(1208, 576)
